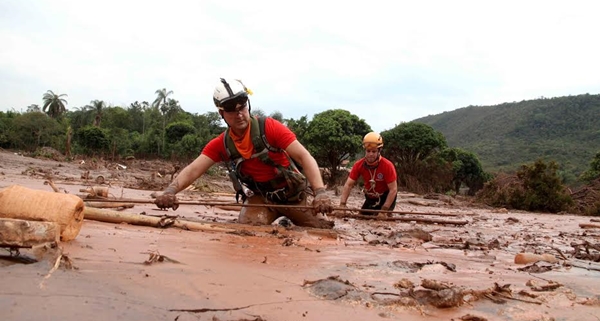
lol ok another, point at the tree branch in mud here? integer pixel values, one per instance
(404, 219)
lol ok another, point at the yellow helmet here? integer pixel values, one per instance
(372, 139)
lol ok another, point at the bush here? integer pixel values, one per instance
(536, 187)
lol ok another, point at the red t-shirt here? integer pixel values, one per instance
(384, 174)
(278, 136)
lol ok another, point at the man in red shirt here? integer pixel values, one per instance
(379, 175)
(258, 154)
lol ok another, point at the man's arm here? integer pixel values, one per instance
(189, 174)
(393, 186)
(311, 170)
(346, 191)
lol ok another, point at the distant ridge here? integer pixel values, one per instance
(564, 129)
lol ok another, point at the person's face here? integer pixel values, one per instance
(237, 117)
(371, 154)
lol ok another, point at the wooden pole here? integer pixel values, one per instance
(109, 216)
(145, 220)
(204, 203)
(403, 219)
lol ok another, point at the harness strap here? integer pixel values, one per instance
(261, 151)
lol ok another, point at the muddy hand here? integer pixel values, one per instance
(385, 209)
(167, 200)
(343, 209)
(322, 204)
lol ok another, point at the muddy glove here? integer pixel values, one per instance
(167, 200)
(385, 208)
(322, 202)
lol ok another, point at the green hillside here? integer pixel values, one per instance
(564, 129)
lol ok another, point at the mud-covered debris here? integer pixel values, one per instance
(494, 244)
(155, 256)
(446, 298)
(470, 317)
(550, 286)
(586, 251)
(534, 268)
(595, 301)
(242, 233)
(449, 266)
(528, 294)
(404, 284)
(435, 285)
(283, 222)
(512, 220)
(361, 266)
(288, 241)
(405, 266)
(420, 234)
(331, 288)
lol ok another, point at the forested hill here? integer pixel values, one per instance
(564, 129)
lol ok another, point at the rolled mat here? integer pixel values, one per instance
(66, 210)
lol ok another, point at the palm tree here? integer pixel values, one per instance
(68, 143)
(98, 106)
(54, 103)
(161, 98)
(161, 103)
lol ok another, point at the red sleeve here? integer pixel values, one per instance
(215, 149)
(278, 135)
(390, 171)
(355, 171)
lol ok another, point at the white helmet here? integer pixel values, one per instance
(228, 91)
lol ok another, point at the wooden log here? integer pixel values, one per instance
(589, 225)
(54, 188)
(228, 207)
(22, 233)
(96, 191)
(19, 202)
(403, 218)
(526, 258)
(145, 220)
(101, 204)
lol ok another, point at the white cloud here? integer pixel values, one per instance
(387, 62)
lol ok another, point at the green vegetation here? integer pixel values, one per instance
(593, 172)
(537, 187)
(546, 142)
(333, 136)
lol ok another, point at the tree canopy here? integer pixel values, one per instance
(333, 136)
(54, 105)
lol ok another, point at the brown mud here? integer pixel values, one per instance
(364, 270)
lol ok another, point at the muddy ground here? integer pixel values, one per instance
(403, 269)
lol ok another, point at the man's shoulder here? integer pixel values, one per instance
(274, 127)
(387, 162)
(216, 142)
(358, 164)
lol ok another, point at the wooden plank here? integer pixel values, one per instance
(23, 233)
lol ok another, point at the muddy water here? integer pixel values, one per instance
(300, 274)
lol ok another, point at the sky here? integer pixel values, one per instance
(387, 62)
